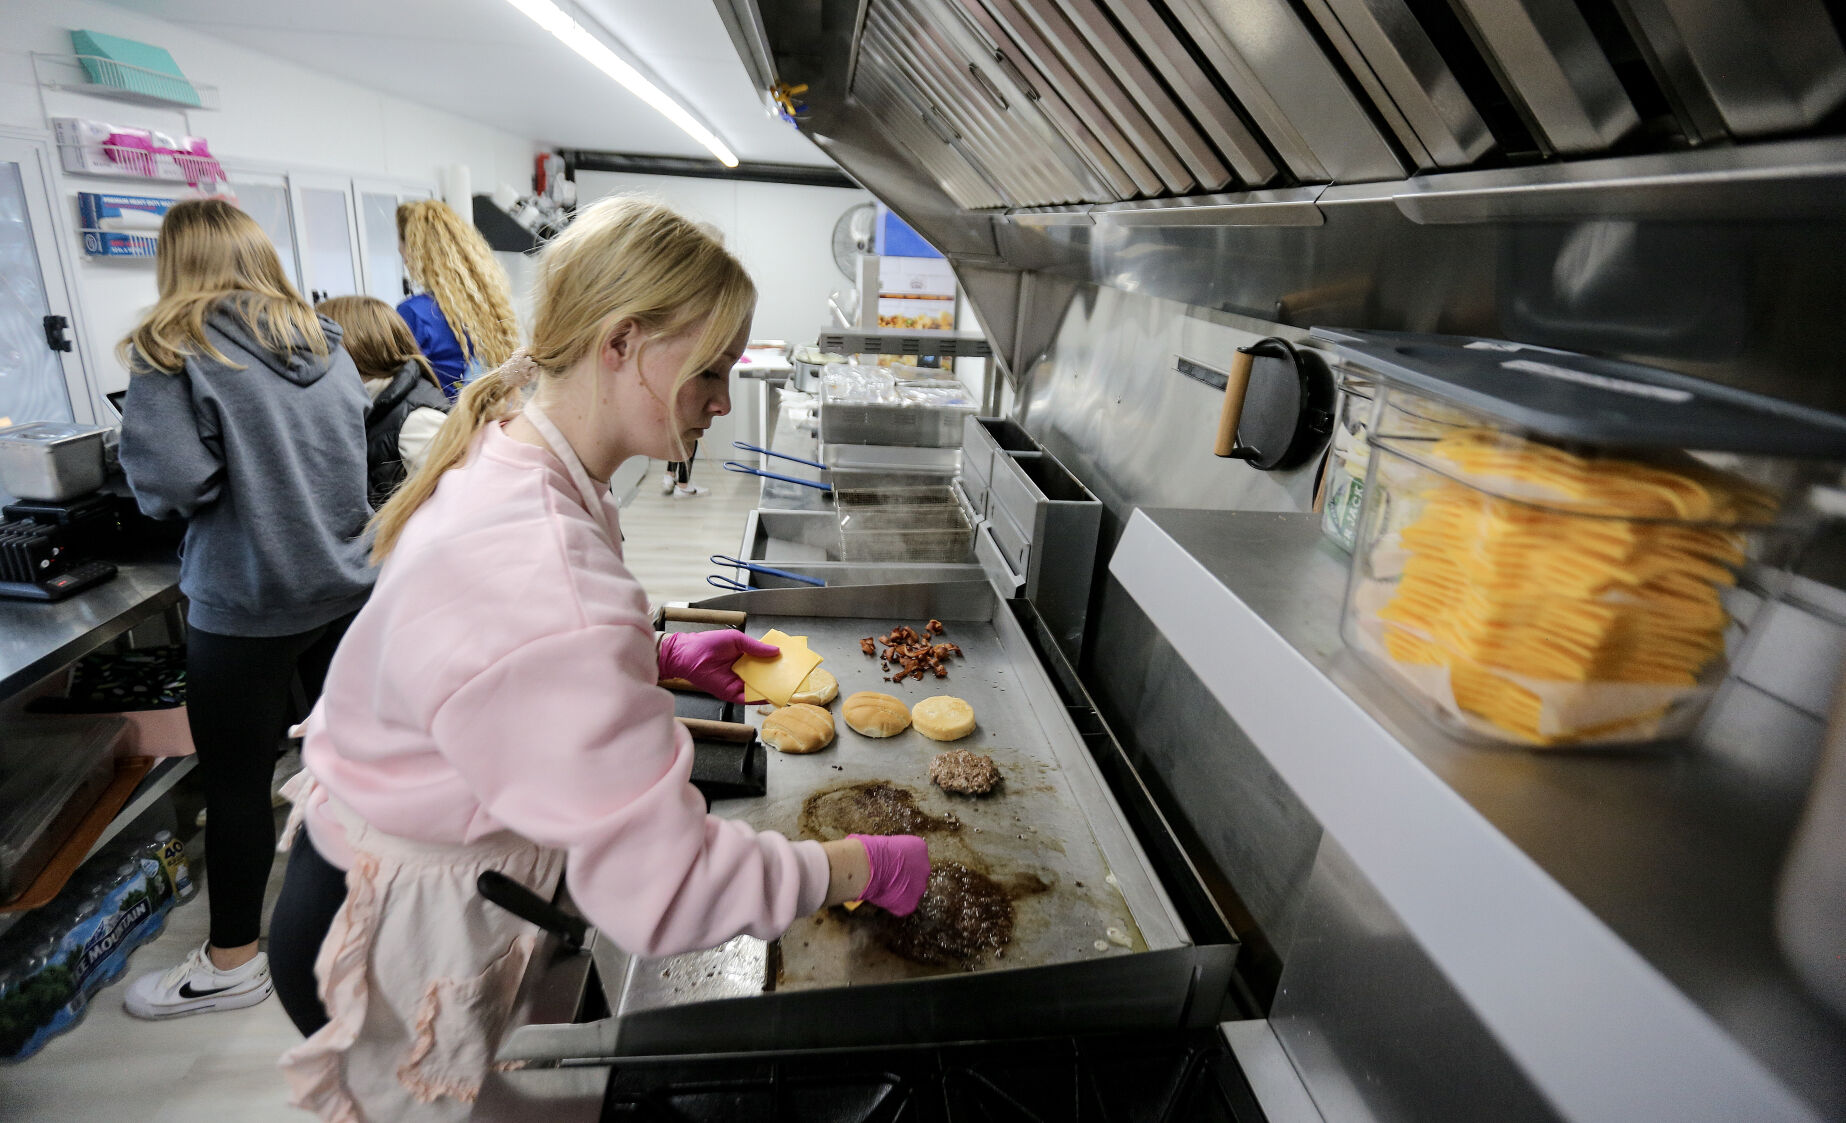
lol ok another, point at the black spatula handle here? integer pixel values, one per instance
(527, 905)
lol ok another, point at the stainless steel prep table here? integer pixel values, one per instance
(36, 638)
(1103, 950)
(771, 379)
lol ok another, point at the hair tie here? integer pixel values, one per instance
(520, 369)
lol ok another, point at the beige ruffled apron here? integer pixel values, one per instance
(418, 972)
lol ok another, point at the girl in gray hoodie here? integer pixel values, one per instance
(245, 418)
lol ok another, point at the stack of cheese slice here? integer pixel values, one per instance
(1596, 573)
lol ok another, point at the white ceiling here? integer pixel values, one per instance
(483, 60)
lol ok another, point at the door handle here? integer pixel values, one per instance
(57, 336)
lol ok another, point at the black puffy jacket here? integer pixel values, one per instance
(409, 389)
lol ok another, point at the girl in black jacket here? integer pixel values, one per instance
(408, 405)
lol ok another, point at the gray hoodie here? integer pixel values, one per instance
(267, 465)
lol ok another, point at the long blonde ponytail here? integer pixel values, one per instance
(623, 259)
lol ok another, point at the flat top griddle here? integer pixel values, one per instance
(1037, 836)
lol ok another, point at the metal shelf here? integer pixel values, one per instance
(139, 246)
(70, 73)
(38, 638)
(159, 780)
(144, 166)
(940, 344)
(1607, 915)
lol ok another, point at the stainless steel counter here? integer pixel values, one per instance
(37, 638)
(1607, 915)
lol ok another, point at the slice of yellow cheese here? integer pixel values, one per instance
(777, 678)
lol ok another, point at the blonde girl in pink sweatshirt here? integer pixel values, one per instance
(495, 705)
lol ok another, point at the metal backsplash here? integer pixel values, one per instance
(1751, 303)
(1107, 399)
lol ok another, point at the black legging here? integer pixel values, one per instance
(682, 469)
(237, 703)
(313, 890)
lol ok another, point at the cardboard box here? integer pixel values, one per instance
(120, 225)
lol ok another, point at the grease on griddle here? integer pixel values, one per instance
(963, 916)
(869, 807)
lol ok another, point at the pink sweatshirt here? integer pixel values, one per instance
(502, 677)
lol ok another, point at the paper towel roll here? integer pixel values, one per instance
(457, 190)
(146, 222)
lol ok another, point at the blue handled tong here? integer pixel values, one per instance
(739, 466)
(719, 581)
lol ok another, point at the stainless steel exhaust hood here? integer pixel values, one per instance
(1247, 155)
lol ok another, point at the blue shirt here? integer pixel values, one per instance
(437, 340)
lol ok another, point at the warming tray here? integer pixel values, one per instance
(1097, 944)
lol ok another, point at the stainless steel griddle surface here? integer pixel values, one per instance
(1034, 831)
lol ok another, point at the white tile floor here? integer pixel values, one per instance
(669, 539)
(222, 1066)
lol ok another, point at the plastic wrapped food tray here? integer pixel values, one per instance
(865, 406)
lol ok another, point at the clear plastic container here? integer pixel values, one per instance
(867, 406)
(1526, 592)
(1560, 549)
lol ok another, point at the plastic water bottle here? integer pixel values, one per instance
(172, 853)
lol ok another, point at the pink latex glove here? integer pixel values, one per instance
(133, 150)
(196, 161)
(899, 871)
(704, 659)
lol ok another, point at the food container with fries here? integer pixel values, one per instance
(1557, 550)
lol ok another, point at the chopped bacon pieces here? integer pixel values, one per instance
(904, 653)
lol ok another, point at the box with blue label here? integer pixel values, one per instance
(120, 225)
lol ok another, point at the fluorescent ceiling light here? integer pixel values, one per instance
(594, 51)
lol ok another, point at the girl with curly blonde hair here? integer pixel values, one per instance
(463, 319)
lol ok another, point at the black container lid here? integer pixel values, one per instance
(1570, 397)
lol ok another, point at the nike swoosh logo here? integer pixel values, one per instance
(186, 991)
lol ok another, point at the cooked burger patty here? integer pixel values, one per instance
(959, 770)
(963, 918)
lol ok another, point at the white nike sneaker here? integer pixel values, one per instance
(667, 486)
(688, 491)
(196, 987)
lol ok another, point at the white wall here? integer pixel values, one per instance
(274, 115)
(782, 233)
